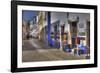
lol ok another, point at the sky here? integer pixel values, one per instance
(28, 15)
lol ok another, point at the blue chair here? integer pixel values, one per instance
(82, 49)
(67, 48)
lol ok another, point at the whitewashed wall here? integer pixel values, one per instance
(83, 17)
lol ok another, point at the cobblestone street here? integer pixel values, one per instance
(33, 52)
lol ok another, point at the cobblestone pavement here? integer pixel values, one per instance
(48, 55)
(32, 52)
